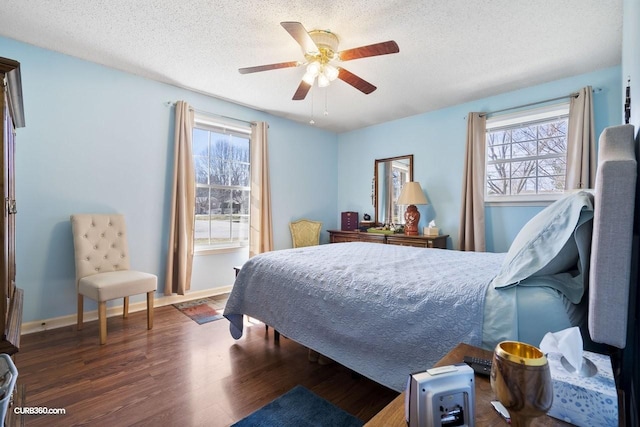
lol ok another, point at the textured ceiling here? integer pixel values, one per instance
(451, 51)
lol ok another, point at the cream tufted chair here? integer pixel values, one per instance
(102, 267)
(305, 232)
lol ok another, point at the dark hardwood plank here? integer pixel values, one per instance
(179, 373)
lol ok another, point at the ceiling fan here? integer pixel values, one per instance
(320, 50)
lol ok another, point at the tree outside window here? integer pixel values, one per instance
(222, 170)
(528, 158)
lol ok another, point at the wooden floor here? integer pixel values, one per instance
(178, 374)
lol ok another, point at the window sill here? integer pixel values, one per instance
(524, 200)
(540, 200)
(216, 250)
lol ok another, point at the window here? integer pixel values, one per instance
(526, 155)
(399, 177)
(222, 173)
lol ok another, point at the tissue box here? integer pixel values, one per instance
(584, 401)
(431, 231)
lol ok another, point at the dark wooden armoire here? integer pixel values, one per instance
(11, 297)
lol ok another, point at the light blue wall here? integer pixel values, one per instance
(100, 140)
(437, 141)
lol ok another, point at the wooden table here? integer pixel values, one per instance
(393, 414)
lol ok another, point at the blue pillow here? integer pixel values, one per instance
(545, 245)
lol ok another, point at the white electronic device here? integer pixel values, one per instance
(440, 397)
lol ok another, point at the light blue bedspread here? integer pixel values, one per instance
(384, 311)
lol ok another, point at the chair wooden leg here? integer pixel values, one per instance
(80, 311)
(102, 319)
(125, 308)
(150, 296)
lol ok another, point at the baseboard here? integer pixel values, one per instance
(62, 321)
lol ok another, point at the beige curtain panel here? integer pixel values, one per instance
(260, 233)
(581, 149)
(180, 255)
(472, 232)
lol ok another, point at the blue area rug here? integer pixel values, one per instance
(301, 408)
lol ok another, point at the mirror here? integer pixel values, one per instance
(388, 178)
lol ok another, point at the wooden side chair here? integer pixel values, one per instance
(305, 232)
(102, 267)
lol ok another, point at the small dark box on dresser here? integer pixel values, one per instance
(349, 221)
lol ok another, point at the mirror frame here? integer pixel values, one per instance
(375, 179)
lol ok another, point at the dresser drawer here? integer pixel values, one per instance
(372, 237)
(343, 239)
(418, 241)
(343, 236)
(404, 241)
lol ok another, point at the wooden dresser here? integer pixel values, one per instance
(338, 236)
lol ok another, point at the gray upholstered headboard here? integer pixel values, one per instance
(615, 193)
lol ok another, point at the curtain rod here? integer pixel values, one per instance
(571, 95)
(171, 104)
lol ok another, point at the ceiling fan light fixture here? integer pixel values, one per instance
(308, 78)
(314, 68)
(323, 81)
(330, 72)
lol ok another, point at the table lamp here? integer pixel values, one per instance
(411, 195)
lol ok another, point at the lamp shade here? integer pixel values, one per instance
(412, 194)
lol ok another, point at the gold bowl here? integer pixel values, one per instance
(521, 381)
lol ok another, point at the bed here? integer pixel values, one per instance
(385, 311)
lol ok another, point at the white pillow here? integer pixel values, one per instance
(545, 245)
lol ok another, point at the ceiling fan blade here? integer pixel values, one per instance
(248, 70)
(302, 91)
(301, 35)
(376, 49)
(355, 81)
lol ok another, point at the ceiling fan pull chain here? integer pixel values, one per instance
(326, 109)
(312, 122)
